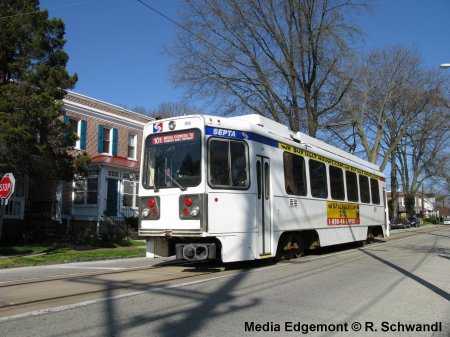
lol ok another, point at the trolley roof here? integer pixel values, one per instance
(269, 128)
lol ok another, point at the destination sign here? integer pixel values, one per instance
(173, 138)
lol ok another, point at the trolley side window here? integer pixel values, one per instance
(318, 177)
(336, 183)
(375, 190)
(294, 174)
(352, 186)
(228, 164)
(364, 189)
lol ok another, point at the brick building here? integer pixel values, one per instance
(112, 136)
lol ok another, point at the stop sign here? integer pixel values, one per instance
(7, 187)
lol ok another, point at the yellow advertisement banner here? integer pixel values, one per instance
(315, 156)
(342, 213)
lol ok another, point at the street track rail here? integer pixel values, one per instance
(34, 294)
(17, 296)
(87, 274)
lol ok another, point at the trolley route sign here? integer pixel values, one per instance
(7, 184)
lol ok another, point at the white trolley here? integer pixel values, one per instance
(246, 188)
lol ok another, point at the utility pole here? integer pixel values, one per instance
(423, 205)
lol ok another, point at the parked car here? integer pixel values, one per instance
(414, 221)
(447, 221)
(400, 223)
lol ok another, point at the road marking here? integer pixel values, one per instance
(143, 292)
(158, 289)
(81, 267)
(111, 298)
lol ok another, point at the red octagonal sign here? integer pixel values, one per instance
(7, 186)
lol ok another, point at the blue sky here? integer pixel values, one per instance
(117, 46)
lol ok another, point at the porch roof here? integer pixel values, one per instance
(116, 162)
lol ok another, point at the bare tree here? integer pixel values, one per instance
(278, 58)
(173, 109)
(379, 100)
(389, 93)
(423, 153)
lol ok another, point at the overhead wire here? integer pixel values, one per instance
(193, 33)
(181, 26)
(40, 10)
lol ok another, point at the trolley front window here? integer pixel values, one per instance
(172, 160)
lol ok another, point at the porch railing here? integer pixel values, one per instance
(15, 208)
(120, 219)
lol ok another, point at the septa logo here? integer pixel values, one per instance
(157, 127)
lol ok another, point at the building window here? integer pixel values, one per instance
(113, 174)
(294, 174)
(78, 128)
(130, 194)
(86, 190)
(107, 140)
(318, 177)
(132, 146)
(74, 129)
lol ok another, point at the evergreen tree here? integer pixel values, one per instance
(33, 80)
(34, 141)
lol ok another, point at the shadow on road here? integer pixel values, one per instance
(196, 306)
(412, 276)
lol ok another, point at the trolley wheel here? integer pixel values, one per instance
(290, 246)
(370, 237)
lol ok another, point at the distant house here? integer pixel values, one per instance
(112, 136)
(422, 203)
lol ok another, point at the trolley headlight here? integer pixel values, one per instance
(195, 211)
(145, 212)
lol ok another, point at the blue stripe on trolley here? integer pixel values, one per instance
(236, 134)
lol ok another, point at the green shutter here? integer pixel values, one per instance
(100, 138)
(66, 133)
(83, 135)
(115, 133)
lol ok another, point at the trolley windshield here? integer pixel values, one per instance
(172, 160)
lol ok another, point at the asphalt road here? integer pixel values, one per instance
(382, 289)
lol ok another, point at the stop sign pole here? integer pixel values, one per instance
(7, 184)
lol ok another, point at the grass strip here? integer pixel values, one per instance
(34, 255)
